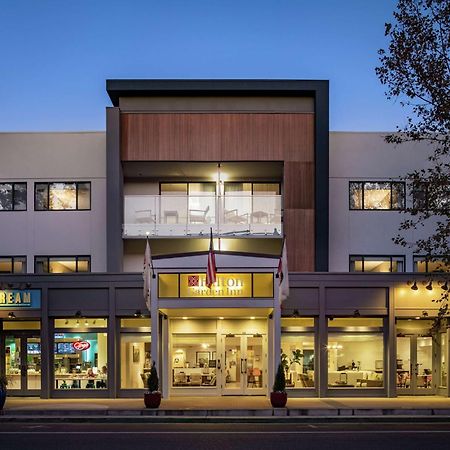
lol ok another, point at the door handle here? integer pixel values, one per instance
(218, 365)
(242, 362)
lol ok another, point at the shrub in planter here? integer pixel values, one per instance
(152, 398)
(278, 396)
(3, 385)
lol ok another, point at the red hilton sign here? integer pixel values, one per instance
(80, 346)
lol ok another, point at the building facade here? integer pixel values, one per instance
(250, 161)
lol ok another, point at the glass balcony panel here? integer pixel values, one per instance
(181, 215)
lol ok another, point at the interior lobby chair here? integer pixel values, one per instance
(196, 379)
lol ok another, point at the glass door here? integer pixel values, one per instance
(23, 364)
(233, 365)
(415, 366)
(244, 369)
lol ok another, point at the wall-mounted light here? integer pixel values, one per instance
(356, 313)
(429, 286)
(295, 314)
(86, 323)
(444, 286)
(413, 285)
(66, 322)
(138, 313)
(28, 285)
(11, 315)
(424, 314)
(78, 314)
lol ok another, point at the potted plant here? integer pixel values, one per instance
(152, 398)
(3, 385)
(278, 396)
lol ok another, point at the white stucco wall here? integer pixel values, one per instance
(34, 157)
(366, 157)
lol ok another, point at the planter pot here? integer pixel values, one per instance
(278, 399)
(152, 399)
(2, 398)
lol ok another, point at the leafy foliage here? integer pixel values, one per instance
(280, 380)
(415, 69)
(3, 382)
(153, 380)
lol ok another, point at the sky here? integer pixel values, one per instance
(55, 55)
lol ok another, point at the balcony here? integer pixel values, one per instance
(185, 215)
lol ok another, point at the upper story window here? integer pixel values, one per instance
(430, 264)
(428, 196)
(62, 196)
(239, 188)
(13, 196)
(191, 189)
(13, 264)
(377, 195)
(359, 263)
(62, 264)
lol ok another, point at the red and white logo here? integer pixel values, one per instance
(80, 346)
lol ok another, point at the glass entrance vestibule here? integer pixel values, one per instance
(218, 356)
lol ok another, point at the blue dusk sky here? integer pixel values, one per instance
(57, 54)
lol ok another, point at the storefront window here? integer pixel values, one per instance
(135, 353)
(355, 353)
(297, 356)
(80, 360)
(443, 363)
(194, 360)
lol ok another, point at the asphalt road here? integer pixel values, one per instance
(183, 436)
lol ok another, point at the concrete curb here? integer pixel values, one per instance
(221, 414)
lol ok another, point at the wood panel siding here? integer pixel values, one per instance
(287, 137)
(299, 229)
(217, 137)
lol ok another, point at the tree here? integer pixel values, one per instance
(415, 69)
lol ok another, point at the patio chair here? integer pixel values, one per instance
(198, 215)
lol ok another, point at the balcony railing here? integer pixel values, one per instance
(184, 215)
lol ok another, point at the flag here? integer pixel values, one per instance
(147, 275)
(282, 273)
(211, 269)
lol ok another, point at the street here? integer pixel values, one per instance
(217, 436)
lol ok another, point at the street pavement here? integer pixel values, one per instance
(311, 436)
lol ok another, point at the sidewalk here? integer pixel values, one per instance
(228, 407)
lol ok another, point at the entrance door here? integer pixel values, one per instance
(23, 364)
(244, 368)
(415, 365)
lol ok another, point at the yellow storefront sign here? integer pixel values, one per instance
(227, 285)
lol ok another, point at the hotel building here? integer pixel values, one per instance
(251, 160)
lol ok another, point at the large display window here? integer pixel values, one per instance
(443, 360)
(194, 360)
(80, 357)
(297, 352)
(355, 353)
